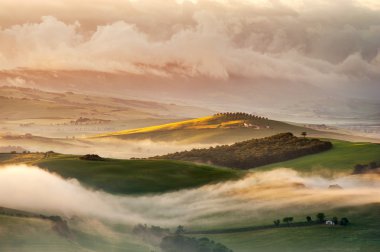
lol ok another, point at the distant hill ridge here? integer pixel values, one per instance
(220, 120)
(27, 103)
(219, 128)
(254, 152)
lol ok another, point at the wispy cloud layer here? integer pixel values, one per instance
(276, 192)
(331, 45)
(337, 40)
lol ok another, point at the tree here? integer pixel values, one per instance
(344, 221)
(321, 217)
(176, 243)
(304, 134)
(287, 220)
(373, 165)
(180, 230)
(358, 169)
(276, 223)
(335, 220)
(308, 219)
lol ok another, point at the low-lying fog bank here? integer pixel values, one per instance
(33, 189)
(110, 148)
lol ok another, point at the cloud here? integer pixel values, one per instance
(16, 82)
(237, 201)
(44, 192)
(111, 148)
(216, 39)
(331, 46)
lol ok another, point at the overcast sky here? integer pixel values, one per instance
(241, 49)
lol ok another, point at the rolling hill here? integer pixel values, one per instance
(222, 128)
(150, 176)
(361, 235)
(126, 176)
(25, 234)
(27, 110)
(340, 159)
(254, 152)
(218, 128)
(19, 102)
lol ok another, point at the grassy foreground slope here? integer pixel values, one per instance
(129, 176)
(32, 235)
(341, 158)
(20, 234)
(362, 235)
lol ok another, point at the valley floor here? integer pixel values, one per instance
(142, 178)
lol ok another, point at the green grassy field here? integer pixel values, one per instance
(19, 234)
(135, 176)
(341, 158)
(362, 235)
(153, 176)
(29, 234)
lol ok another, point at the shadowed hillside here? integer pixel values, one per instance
(255, 152)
